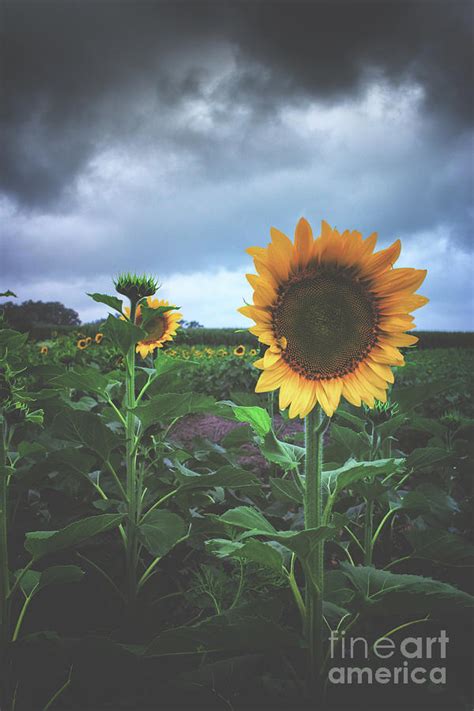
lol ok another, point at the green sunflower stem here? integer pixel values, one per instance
(131, 467)
(4, 569)
(313, 515)
(368, 531)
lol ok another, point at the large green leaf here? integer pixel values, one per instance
(227, 476)
(248, 518)
(85, 379)
(111, 301)
(380, 592)
(441, 546)
(303, 543)
(251, 551)
(424, 457)
(41, 543)
(71, 459)
(430, 500)
(256, 417)
(221, 635)
(87, 429)
(169, 406)
(161, 531)
(352, 472)
(287, 456)
(410, 397)
(353, 443)
(286, 490)
(122, 333)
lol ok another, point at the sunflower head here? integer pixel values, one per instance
(333, 314)
(253, 352)
(159, 320)
(135, 286)
(44, 350)
(98, 337)
(82, 344)
(239, 351)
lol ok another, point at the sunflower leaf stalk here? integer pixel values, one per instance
(133, 496)
(315, 425)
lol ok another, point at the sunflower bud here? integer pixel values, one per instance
(135, 287)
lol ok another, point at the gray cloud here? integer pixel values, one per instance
(79, 76)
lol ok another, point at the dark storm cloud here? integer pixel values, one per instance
(78, 77)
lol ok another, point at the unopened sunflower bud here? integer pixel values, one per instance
(136, 287)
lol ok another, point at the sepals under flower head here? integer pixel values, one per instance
(135, 286)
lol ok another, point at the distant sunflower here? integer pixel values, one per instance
(159, 329)
(44, 350)
(253, 352)
(239, 351)
(88, 340)
(333, 314)
(82, 344)
(98, 337)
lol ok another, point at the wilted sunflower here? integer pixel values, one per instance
(239, 351)
(82, 343)
(98, 337)
(159, 329)
(333, 314)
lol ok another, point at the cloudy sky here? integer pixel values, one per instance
(167, 137)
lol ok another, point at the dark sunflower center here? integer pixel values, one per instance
(155, 328)
(329, 321)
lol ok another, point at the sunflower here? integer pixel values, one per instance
(333, 314)
(253, 352)
(88, 340)
(44, 350)
(159, 329)
(239, 351)
(98, 337)
(82, 344)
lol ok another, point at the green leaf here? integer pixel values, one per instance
(227, 476)
(87, 429)
(286, 490)
(248, 518)
(85, 379)
(41, 543)
(287, 456)
(425, 424)
(161, 531)
(73, 459)
(256, 417)
(358, 422)
(352, 472)
(251, 551)
(380, 592)
(410, 397)
(430, 500)
(441, 547)
(353, 443)
(111, 301)
(426, 456)
(218, 634)
(60, 575)
(303, 543)
(122, 333)
(390, 426)
(169, 406)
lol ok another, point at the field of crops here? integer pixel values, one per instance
(157, 551)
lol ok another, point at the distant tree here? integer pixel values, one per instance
(25, 316)
(191, 324)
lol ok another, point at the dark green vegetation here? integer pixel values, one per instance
(215, 618)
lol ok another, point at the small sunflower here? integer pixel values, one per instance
(82, 344)
(333, 314)
(239, 351)
(44, 350)
(88, 340)
(159, 329)
(253, 352)
(98, 337)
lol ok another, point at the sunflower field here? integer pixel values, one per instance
(212, 525)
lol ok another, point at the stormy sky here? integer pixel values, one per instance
(167, 137)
